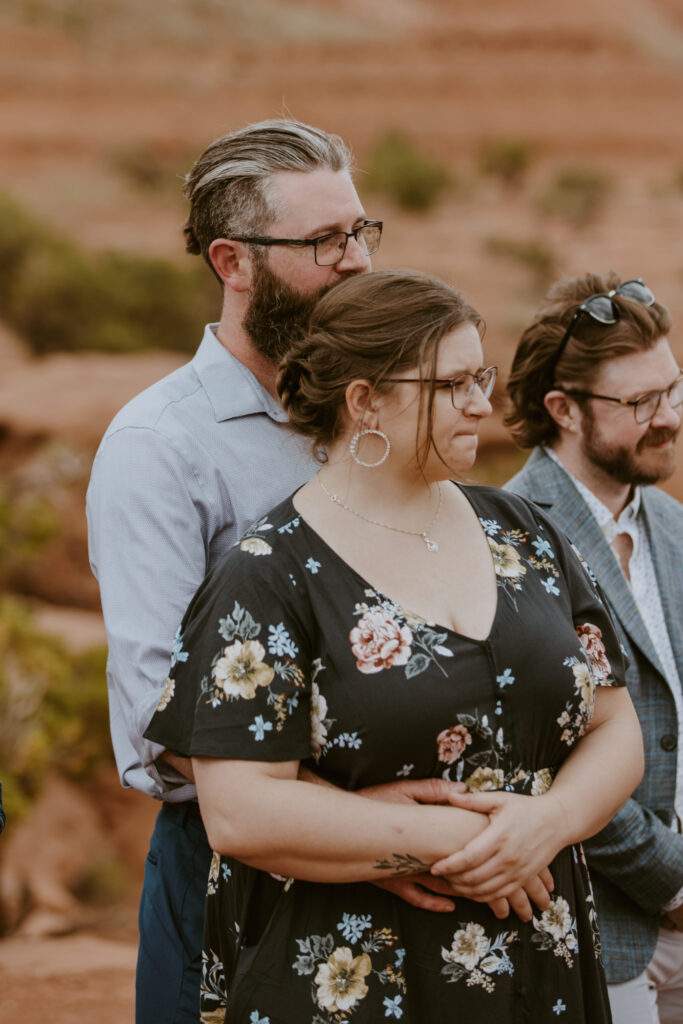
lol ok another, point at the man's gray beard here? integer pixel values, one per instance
(277, 314)
(620, 462)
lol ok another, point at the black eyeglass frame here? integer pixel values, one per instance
(634, 402)
(451, 381)
(585, 308)
(302, 242)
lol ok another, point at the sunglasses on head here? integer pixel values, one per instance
(601, 309)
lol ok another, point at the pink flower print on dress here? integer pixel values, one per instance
(379, 641)
(591, 641)
(452, 743)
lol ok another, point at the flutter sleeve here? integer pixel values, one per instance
(590, 612)
(241, 673)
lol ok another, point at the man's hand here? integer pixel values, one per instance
(414, 791)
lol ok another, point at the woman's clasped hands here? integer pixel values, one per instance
(506, 865)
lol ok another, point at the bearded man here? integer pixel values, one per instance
(596, 392)
(187, 466)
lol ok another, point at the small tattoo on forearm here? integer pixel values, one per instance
(402, 864)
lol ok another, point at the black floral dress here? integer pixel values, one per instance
(287, 653)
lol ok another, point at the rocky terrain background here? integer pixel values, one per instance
(539, 138)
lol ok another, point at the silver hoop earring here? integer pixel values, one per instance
(355, 441)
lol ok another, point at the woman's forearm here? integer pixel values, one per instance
(603, 769)
(527, 832)
(295, 828)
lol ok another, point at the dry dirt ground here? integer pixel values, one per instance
(594, 82)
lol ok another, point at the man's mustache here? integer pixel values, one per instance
(656, 436)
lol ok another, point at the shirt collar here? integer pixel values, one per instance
(232, 389)
(628, 519)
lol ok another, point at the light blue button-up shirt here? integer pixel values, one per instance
(181, 472)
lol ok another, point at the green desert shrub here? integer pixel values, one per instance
(506, 159)
(53, 709)
(27, 521)
(534, 255)
(61, 297)
(576, 193)
(401, 171)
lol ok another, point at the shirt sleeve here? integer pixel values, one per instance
(146, 527)
(244, 683)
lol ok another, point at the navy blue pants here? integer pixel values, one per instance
(171, 918)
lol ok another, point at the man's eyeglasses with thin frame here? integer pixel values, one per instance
(462, 385)
(327, 249)
(644, 408)
(601, 309)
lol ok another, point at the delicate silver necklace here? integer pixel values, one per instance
(432, 545)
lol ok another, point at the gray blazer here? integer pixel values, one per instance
(636, 862)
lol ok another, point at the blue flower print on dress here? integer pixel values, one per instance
(559, 1007)
(506, 678)
(259, 728)
(313, 566)
(542, 548)
(280, 643)
(256, 1018)
(290, 526)
(352, 926)
(550, 587)
(177, 652)
(392, 1007)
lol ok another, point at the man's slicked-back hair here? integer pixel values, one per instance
(229, 187)
(591, 344)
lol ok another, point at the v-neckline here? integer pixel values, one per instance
(386, 597)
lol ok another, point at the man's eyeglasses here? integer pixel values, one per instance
(327, 249)
(462, 385)
(601, 308)
(646, 407)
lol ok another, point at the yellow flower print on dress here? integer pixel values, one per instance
(341, 981)
(214, 868)
(318, 716)
(242, 669)
(473, 955)
(506, 560)
(256, 546)
(485, 778)
(167, 694)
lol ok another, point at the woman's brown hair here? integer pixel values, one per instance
(371, 327)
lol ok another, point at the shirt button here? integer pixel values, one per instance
(668, 742)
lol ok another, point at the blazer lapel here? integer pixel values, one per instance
(554, 490)
(668, 562)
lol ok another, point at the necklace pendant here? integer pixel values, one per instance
(432, 545)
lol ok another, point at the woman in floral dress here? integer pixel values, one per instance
(387, 623)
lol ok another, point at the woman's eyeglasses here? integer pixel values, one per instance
(462, 385)
(601, 308)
